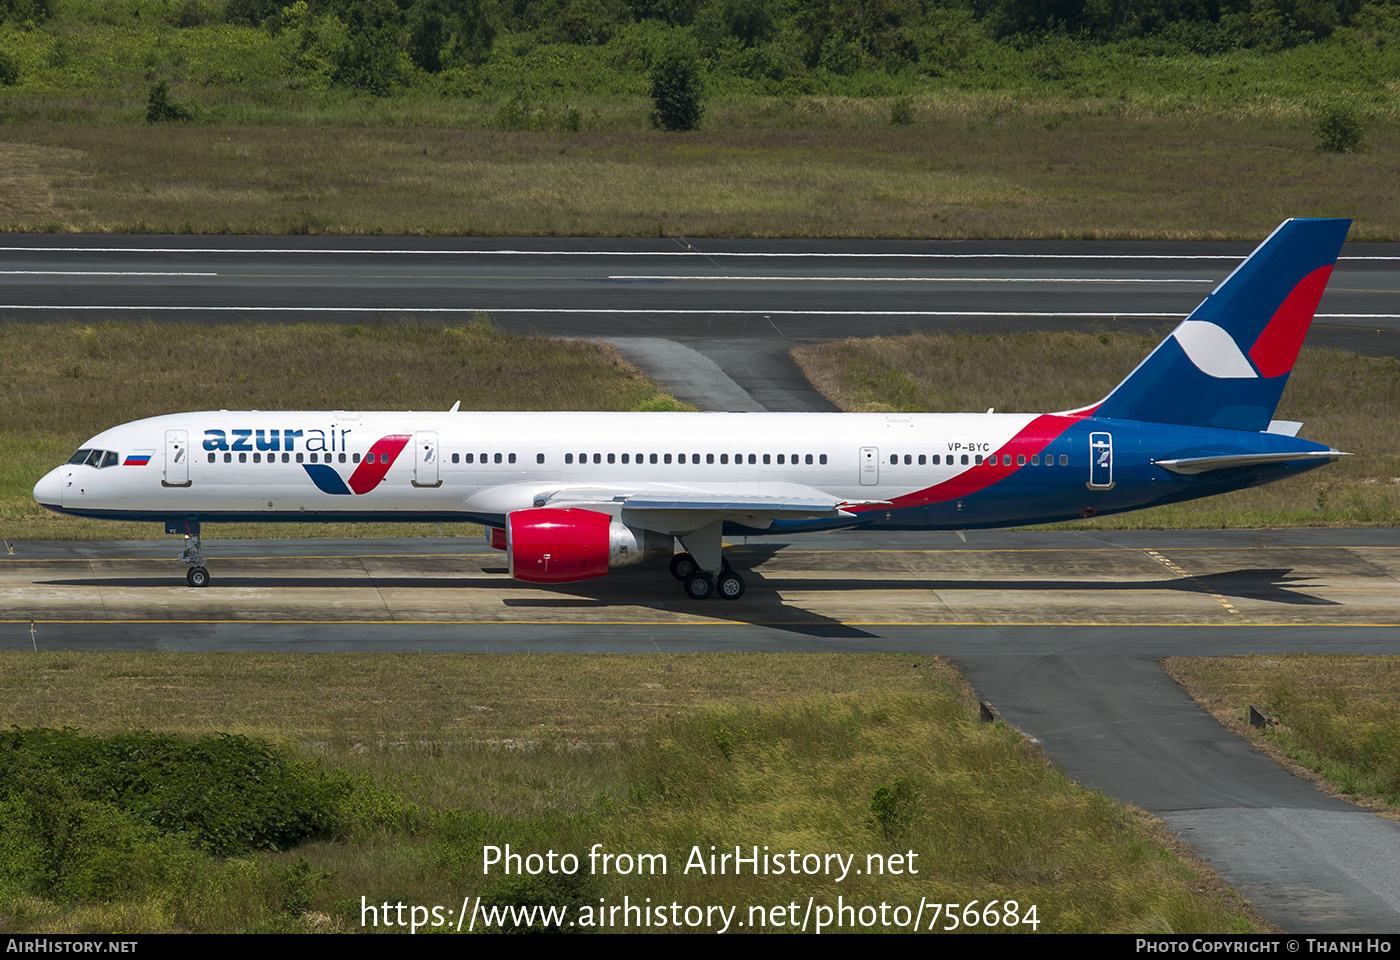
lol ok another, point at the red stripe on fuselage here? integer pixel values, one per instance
(368, 475)
(1276, 350)
(1031, 439)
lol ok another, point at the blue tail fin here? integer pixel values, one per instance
(1227, 363)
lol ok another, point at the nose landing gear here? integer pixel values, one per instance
(193, 554)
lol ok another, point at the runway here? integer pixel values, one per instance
(703, 290)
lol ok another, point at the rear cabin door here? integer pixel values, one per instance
(869, 466)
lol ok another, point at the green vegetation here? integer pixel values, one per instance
(676, 88)
(1341, 129)
(418, 761)
(1347, 401)
(62, 383)
(1339, 716)
(969, 118)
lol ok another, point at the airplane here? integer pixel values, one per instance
(571, 496)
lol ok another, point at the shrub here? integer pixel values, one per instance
(225, 794)
(1340, 129)
(161, 109)
(676, 87)
(901, 111)
(9, 70)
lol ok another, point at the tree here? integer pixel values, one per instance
(676, 87)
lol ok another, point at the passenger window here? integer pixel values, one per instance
(298, 457)
(568, 458)
(724, 458)
(1064, 460)
(667, 458)
(626, 458)
(228, 457)
(680, 458)
(286, 458)
(894, 458)
(612, 458)
(979, 459)
(470, 457)
(355, 457)
(809, 458)
(753, 459)
(1035, 459)
(780, 459)
(964, 460)
(822, 458)
(767, 459)
(709, 458)
(342, 458)
(242, 458)
(653, 458)
(510, 457)
(539, 458)
(257, 457)
(213, 457)
(498, 458)
(456, 458)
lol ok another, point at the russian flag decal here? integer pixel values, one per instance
(138, 458)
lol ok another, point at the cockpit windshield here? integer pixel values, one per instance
(95, 458)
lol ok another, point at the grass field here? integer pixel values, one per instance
(973, 166)
(62, 383)
(1345, 400)
(1338, 720)
(659, 754)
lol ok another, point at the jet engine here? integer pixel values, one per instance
(560, 545)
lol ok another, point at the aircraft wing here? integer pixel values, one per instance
(1194, 465)
(790, 502)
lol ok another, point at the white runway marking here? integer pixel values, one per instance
(700, 312)
(658, 253)
(699, 276)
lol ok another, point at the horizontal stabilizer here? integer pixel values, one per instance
(1194, 465)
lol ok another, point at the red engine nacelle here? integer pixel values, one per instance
(554, 545)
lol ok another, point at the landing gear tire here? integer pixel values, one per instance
(197, 577)
(700, 586)
(730, 586)
(682, 566)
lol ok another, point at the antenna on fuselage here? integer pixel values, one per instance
(455, 407)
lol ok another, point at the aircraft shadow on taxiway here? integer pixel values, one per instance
(762, 603)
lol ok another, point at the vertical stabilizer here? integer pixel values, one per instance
(1227, 363)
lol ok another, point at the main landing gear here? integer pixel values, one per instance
(701, 584)
(193, 554)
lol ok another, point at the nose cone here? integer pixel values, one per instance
(49, 491)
